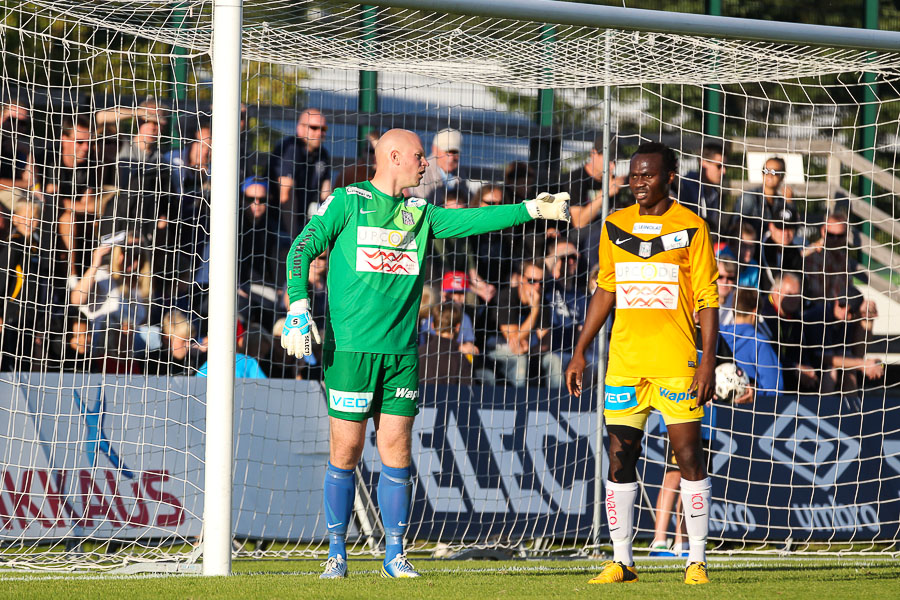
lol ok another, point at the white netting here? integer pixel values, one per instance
(488, 51)
(102, 453)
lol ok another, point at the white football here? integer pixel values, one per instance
(731, 382)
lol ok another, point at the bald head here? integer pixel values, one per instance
(399, 161)
(395, 140)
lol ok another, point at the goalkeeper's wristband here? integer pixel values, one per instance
(298, 306)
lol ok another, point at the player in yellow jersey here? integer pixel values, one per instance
(657, 268)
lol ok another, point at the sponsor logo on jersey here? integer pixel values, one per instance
(408, 218)
(673, 241)
(324, 206)
(645, 250)
(397, 262)
(646, 271)
(386, 238)
(359, 192)
(406, 393)
(620, 397)
(415, 202)
(647, 295)
(650, 228)
(355, 402)
(675, 396)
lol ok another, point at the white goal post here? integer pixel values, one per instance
(146, 236)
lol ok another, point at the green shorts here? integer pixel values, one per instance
(359, 385)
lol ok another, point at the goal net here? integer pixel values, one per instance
(789, 153)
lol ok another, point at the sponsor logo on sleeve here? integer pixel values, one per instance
(359, 192)
(354, 402)
(395, 262)
(324, 206)
(647, 228)
(646, 271)
(386, 238)
(673, 241)
(647, 295)
(619, 397)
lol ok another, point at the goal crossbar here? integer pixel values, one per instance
(637, 19)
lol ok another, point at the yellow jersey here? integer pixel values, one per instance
(661, 270)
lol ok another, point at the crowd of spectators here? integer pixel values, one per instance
(105, 246)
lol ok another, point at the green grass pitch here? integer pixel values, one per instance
(817, 579)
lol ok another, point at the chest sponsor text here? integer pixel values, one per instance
(386, 238)
(646, 271)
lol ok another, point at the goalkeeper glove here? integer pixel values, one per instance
(295, 336)
(549, 206)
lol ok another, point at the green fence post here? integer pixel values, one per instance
(869, 113)
(712, 97)
(368, 84)
(179, 78)
(545, 97)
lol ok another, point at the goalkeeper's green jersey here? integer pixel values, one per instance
(377, 249)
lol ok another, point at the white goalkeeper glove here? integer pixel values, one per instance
(295, 336)
(549, 206)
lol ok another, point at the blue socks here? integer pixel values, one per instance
(394, 495)
(340, 489)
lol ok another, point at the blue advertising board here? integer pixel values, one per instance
(507, 464)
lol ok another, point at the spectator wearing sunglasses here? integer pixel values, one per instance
(756, 205)
(565, 295)
(301, 166)
(701, 190)
(523, 321)
(259, 273)
(495, 248)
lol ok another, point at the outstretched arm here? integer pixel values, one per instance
(462, 222)
(601, 304)
(448, 223)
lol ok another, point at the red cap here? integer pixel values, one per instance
(455, 281)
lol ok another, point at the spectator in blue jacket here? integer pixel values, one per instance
(753, 351)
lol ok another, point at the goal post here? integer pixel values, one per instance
(147, 233)
(227, 75)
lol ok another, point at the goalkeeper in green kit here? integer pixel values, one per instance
(377, 240)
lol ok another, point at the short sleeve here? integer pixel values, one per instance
(606, 278)
(704, 272)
